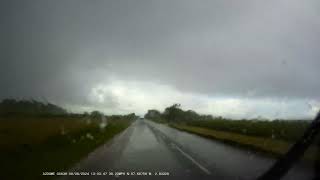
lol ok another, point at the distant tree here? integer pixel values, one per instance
(190, 115)
(86, 114)
(153, 114)
(174, 113)
(131, 116)
(29, 107)
(96, 114)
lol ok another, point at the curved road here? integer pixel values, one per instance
(150, 147)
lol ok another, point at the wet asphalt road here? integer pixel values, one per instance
(150, 147)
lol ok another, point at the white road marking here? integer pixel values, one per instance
(191, 159)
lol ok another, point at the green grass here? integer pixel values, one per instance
(287, 130)
(269, 146)
(30, 146)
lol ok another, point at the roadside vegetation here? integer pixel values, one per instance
(34, 141)
(271, 137)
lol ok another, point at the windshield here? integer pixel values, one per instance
(144, 89)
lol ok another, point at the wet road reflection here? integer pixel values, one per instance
(149, 147)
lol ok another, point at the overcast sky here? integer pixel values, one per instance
(239, 59)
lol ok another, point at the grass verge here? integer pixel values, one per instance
(36, 146)
(266, 145)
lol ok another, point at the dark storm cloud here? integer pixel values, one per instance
(61, 49)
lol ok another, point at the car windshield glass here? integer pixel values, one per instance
(167, 89)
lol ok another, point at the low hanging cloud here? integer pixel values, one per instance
(118, 96)
(229, 58)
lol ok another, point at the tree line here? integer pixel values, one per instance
(13, 107)
(175, 114)
(29, 107)
(288, 130)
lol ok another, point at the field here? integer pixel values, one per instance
(286, 130)
(32, 145)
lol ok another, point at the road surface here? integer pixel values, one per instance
(150, 147)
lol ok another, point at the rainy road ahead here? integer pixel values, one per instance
(149, 147)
